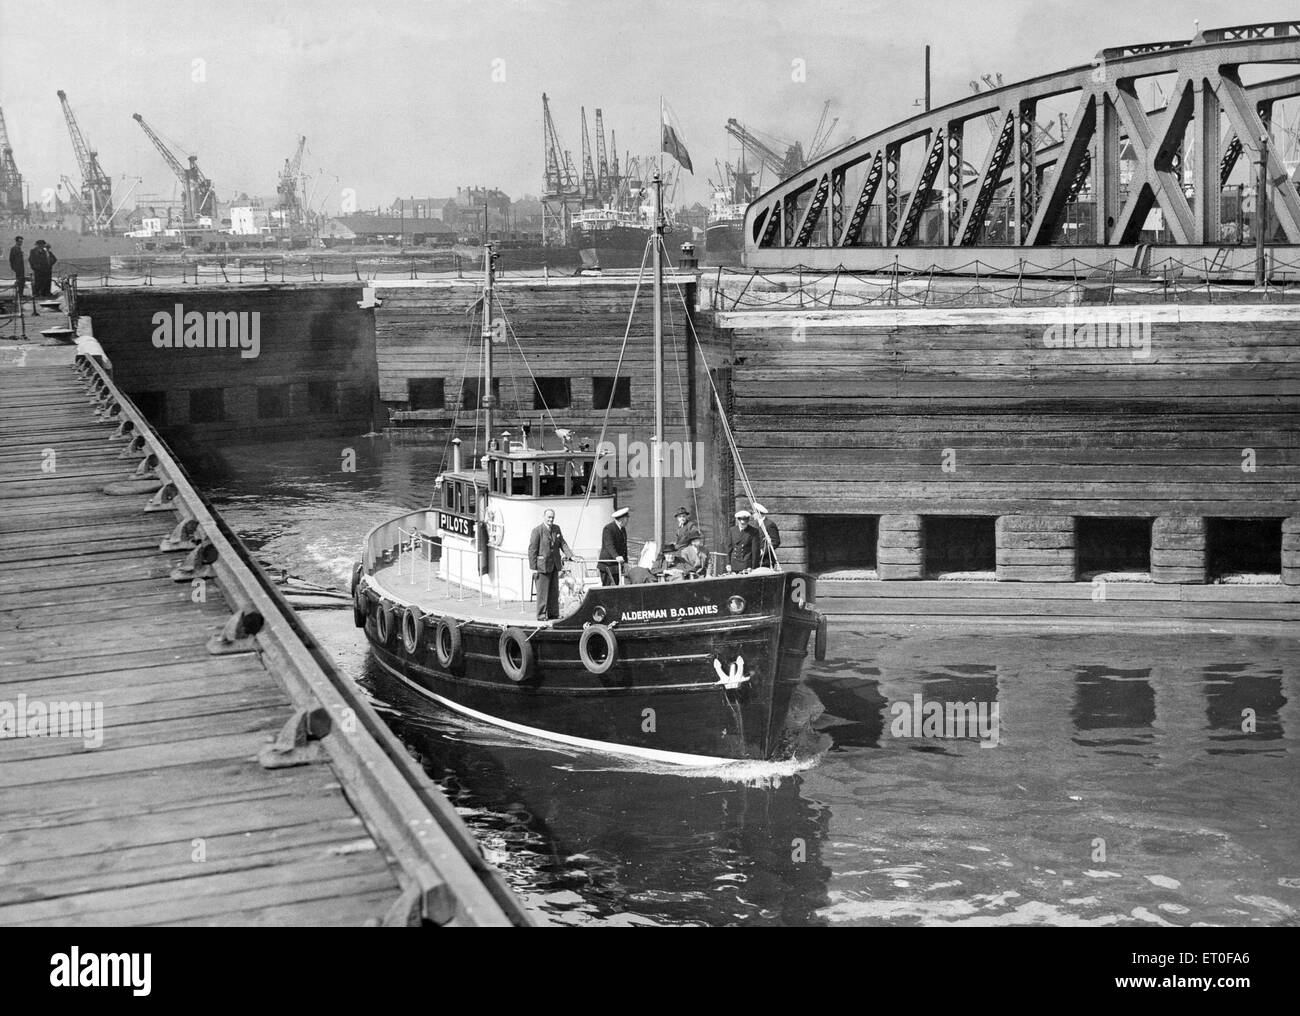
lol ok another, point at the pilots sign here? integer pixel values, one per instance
(457, 525)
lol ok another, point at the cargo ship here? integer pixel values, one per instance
(724, 230)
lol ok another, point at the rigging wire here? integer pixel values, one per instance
(618, 369)
(681, 394)
(726, 425)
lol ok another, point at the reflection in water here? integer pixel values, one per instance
(590, 839)
(1120, 702)
(1137, 779)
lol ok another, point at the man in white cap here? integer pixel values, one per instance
(766, 557)
(613, 549)
(742, 544)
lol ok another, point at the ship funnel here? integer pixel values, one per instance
(455, 455)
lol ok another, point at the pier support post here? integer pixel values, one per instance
(1291, 551)
(1035, 548)
(900, 548)
(1178, 549)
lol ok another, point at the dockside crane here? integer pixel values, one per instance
(615, 174)
(767, 156)
(11, 181)
(200, 195)
(96, 186)
(291, 201)
(590, 185)
(603, 188)
(562, 189)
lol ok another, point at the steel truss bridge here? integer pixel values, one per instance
(854, 209)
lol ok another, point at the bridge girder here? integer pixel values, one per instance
(1041, 180)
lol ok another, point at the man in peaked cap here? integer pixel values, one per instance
(742, 544)
(613, 549)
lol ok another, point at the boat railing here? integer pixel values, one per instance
(461, 578)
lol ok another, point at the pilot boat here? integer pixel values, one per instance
(694, 672)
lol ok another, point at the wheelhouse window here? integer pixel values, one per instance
(550, 479)
(558, 477)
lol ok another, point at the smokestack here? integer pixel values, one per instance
(455, 455)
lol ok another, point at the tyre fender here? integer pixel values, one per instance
(598, 664)
(412, 630)
(447, 645)
(517, 657)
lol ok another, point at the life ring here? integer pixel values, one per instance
(412, 629)
(516, 653)
(819, 646)
(602, 663)
(383, 623)
(447, 646)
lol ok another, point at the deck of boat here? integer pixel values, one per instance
(447, 599)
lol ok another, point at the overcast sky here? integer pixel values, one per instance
(401, 98)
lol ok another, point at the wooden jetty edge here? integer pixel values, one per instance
(220, 769)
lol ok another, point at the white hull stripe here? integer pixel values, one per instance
(654, 754)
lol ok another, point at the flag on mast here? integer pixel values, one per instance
(672, 140)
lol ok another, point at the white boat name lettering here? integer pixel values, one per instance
(671, 613)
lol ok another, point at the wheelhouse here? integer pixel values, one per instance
(485, 515)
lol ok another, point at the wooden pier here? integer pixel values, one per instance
(180, 798)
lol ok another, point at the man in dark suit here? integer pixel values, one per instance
(767, 547)
(19, 267)
(547, 551)
(742, 544)
(613, 549)
(684, 523)
(42, 260)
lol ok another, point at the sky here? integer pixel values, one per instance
(419, 97)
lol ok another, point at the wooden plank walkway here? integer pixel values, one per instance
(171, 820)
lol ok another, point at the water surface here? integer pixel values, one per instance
(1122, 788)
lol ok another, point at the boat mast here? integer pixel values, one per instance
(488, 400)
(658, 440)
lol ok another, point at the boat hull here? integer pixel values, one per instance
(662, 697)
